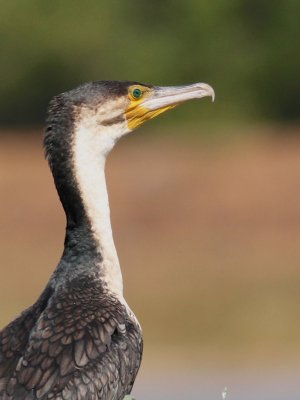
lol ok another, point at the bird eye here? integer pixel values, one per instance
(136, 93)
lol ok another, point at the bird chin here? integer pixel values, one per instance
(136, 116)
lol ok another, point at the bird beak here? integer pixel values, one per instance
(160, 99)
(173, 95)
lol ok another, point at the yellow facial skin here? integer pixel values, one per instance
(136, 114)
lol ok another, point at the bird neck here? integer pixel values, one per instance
(77, 155)
(89, 167)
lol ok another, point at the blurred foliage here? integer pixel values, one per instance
(247, 49)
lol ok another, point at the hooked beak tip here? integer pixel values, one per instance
(207, 91)
(213, 96)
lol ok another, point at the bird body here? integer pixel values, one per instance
(80, 340)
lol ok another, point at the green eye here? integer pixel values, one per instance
(137, 93)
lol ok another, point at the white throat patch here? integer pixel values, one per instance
(92, 143)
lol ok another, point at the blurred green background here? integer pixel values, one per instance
(205, 200)
(248, 50)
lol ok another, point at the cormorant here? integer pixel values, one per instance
(80, 340)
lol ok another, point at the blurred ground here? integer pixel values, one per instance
(207, 233)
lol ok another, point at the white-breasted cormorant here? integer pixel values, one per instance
(80, 340)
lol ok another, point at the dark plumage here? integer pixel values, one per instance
(82, 345)
(80, 340)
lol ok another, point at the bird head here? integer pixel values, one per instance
(104, 111)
